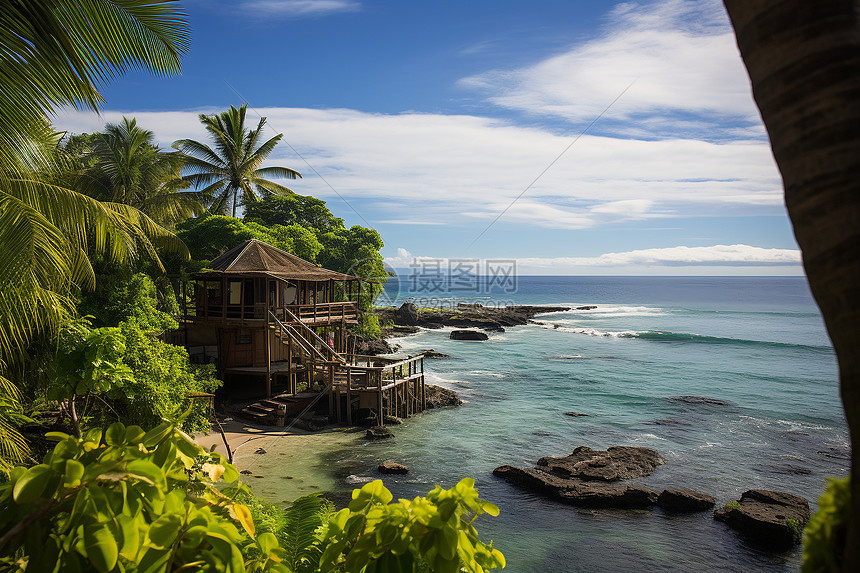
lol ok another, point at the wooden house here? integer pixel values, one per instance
(261, 313)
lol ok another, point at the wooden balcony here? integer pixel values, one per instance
(323, 313)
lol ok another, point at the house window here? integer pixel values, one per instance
(234, 292)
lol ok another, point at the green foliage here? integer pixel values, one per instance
(825, 535)
(89, 361)
(733, 505)
(129, 500)
(163, 376)
(293, 210)
(374, 535)
(125, 500)
(234, 166)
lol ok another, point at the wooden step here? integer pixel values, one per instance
(260, 408)
(259, 416)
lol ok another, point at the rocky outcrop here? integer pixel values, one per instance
(378, 433)
(438, 397)
(590, 478)
(407, 314)
(578, 492)
(575, 414)
(682, 500)
(430, 353)
(616, 463)
(468, 335)
(392, 467)
(773, 519)
(700, 400)
(372, 347)
(464, 316)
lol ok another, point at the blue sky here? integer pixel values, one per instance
(579, 137)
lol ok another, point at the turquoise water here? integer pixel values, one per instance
(757, 343)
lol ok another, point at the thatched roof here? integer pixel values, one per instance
(256, 259)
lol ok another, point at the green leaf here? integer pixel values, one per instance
(146, 469)
(157, 434)
(133, 434)
(100, 546)
(115, 435)
(32, 484)
(267, 542)
(130, 536)
(164, 530)
(93, 435)
(73, 474)
(56, 436)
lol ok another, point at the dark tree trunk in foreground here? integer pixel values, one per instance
(803, 58)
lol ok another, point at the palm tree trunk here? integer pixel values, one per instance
(235, 197)
(803, 58)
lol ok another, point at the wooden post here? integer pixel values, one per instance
(268, 358)
(379, 413)
(349, 395)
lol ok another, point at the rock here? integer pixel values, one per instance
(696, 400)
(373, 347)
(578, 492)
(430, 353)
(260, 451)
(468, 335)
(684, 500)
(407, 314)
(392, 467)
(617, 462)
(589, 307)
(469, 305)
(438, 397)
(575, 414)
(773, 519)
(378, 433)
(391, 420)
(245, 472)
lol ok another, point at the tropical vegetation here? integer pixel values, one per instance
(234, 166)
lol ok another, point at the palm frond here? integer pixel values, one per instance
(297, 535)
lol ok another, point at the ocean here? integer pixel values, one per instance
(756, 345)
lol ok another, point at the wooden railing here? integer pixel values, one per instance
(323, 312)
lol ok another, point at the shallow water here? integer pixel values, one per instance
(756, 344)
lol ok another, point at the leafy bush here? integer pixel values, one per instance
(125, 500)
(826, 531)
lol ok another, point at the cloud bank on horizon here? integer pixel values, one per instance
(684, 142)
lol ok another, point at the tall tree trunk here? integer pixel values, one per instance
(803, 59)
(235, 197)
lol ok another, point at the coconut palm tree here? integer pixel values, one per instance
(233, 167)
(56, 53)
(123, 165)
(803, 59)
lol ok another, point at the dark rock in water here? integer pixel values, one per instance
(668, 422)
(837, 453)
(542, 433)
(784, 469)
(468, 335)
(407, 314)
(589, 307)
(700, 400)
(430, 353)
(617, 462)
(494, 328)
(260, 451)
(684, 500)
(392, 467)
(575, 414)
(392, 420)
(373, 347)
(578, 492)
(773, 519)
(378, 433)
(245, 472)
(438, 397)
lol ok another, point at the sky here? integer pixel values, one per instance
(577, 137)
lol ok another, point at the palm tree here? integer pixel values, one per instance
(803, 59)
(233, 167)
(123, 165)
(56, 53)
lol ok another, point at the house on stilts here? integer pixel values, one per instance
(278, 326)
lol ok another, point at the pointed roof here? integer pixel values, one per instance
(256, 258)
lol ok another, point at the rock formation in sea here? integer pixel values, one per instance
(438, 397)
(468, 335)
(773, 519)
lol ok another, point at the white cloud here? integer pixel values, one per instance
(717, 259)
(680, 55)
(717, 255)
(468, 169)
(297, 8)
